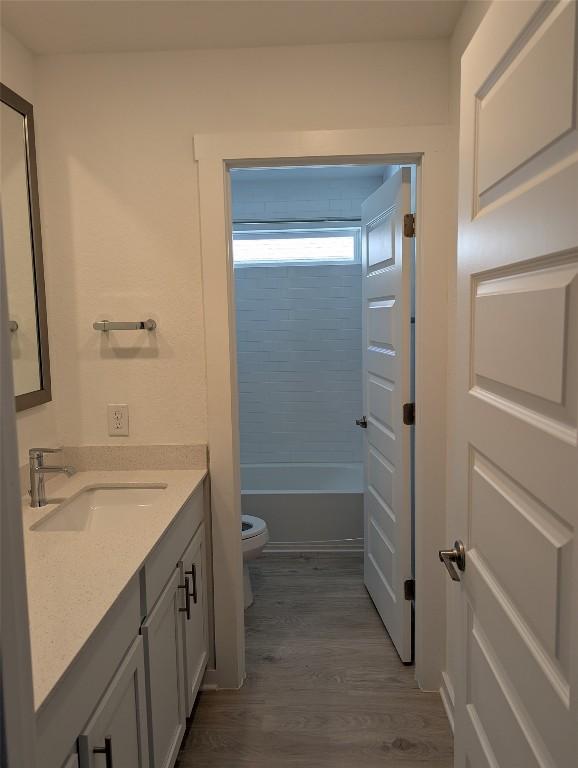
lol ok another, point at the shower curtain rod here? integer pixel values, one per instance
(325, 220)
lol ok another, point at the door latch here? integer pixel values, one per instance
(409, 414)
(452, 557)
(409, 225)
(362, 422)
(409, 589)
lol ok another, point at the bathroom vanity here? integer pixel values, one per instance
(117, 589)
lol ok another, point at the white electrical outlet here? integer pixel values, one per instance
(118, 420)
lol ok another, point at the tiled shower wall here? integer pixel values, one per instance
(299, 334)
(299, 362)
(296, 199)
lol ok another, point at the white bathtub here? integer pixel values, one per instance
(307, 507)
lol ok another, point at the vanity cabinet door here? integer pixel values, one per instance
(195, 625)
(163, 640)
(116, 734)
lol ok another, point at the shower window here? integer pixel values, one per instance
(296, 244)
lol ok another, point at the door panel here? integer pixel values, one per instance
(522, 338)
(386, 360)
(500, 504)
(491, 701)
(520, 333)
(380, 404)
(541, 73)
(514, 485)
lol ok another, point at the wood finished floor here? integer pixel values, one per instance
(325, 687)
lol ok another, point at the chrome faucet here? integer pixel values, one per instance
(37, 472)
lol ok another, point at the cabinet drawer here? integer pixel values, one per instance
(116, 734)
(164, 558)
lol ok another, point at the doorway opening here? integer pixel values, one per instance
(215, 155)
(324, 285)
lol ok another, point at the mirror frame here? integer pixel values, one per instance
(44, 394)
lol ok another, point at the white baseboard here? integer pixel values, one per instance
(448, 698)
(296, 547)
(209, 680)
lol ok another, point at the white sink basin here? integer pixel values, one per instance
(98, 506)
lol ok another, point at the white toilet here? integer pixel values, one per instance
(255, 535)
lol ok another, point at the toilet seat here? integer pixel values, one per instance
(257, 526)
(254, 538)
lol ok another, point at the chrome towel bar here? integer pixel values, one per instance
(111, 325)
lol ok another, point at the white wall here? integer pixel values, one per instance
(120, 201)
(36, 426)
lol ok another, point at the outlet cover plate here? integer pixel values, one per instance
(117, 420)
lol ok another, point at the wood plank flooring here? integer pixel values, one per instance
(325, 687)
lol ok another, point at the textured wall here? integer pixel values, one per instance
(301, 198)
(299, 353)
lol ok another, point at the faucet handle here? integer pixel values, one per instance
(37, 452)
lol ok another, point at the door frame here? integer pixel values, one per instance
(429, 147)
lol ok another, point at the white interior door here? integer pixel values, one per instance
(514, 493)
(386, 257)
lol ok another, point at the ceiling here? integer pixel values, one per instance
(82, 26)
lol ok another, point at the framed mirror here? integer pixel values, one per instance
(23, 252)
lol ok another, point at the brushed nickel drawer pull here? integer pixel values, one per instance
(106, 751)
(193, 574)
(187, 608)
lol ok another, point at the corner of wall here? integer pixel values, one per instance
(18, 65)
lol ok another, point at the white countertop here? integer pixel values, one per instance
(74, 577)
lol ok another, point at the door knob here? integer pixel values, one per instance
(452, 557)
(361, 422)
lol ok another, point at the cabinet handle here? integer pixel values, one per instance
(106, 751)
(187, 608)
(193, 574)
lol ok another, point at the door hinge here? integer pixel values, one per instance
(409, 225)
(409, 414)
(409, 589)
